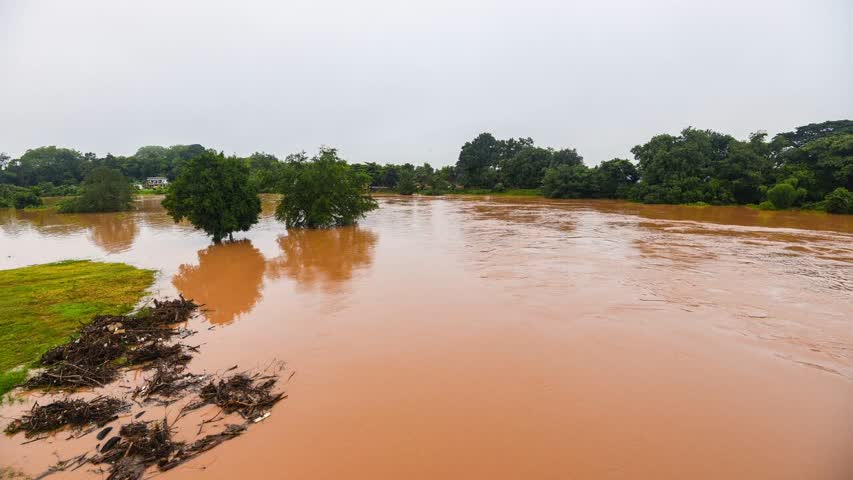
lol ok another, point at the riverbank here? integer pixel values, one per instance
(43, 304)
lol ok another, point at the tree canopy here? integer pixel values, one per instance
(324, 192)
(692, 166)
(103, 190)
(214, 193)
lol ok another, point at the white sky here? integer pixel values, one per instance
(398, 81)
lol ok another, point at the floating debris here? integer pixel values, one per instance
(249, 396)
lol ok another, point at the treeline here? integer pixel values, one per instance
(810, 167)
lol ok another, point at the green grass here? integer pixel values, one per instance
(150, 191)
(42, 305)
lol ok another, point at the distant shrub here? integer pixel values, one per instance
(26, 198)
(783, 195)
(12, 196)
(104, 190)
(766, 205)
(406, 185)
(499, 187)
(839, 200)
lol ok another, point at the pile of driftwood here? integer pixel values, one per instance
(76, 413)
(94, 359)
(140, 445)
(110, 342)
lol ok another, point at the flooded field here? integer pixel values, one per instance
(505, 338)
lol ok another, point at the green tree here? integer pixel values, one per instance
(679, 169)
(477, 161)
(569, 181)
(526, 168)
(839, 200)
(814, 131)
(390, 176)
(60, 166)
(324, 192)
(566, 156)
(214, 193)
(406, 185)
(448, 174)
(512, 146)
(26, 198)
(266, 172)
(782, 196)
(615, 178)
(103, 190)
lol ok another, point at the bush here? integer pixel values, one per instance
(406, 184)
(569, 181)
(18, 197)
(839, 200)
(103, 190)
(766, 205)
(783, 195)
(215, 195)
(324, 192)
(26, 198)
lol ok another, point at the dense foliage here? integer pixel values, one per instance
(406, 184)
(18, 197)
(103, 190)
(839, 200)
(323, 192)
(693, 166)
(799, 168)
(214, 193)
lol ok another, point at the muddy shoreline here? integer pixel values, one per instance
(112, 346)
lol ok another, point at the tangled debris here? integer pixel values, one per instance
(95, 358)
(92, 360)
(248, 396)
(143, 444)
(76, 413)
(159, 351)
(167, 381)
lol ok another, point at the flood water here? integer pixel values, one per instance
(506, 338)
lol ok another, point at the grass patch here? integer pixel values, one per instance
(43, 305)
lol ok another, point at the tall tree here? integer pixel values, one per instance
(214, 193)
(614, 178)
(60, 166)
(477, 161)
(526, 168)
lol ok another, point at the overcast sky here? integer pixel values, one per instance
(399, 81)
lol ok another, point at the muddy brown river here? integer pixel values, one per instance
(505, 338)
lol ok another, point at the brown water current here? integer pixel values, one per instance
(505, 338)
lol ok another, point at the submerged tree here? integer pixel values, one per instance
(104, 190)
(324, 192)
(214, 193)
